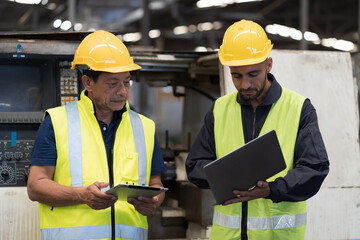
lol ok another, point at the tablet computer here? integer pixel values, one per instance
(124, 191)
(240, 169)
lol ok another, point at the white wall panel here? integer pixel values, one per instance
(19, 218)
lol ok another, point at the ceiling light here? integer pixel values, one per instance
(310, 36)
(271, 29)
(295, 34)
(180, 30)
(220, 3)
(51, 6)
(192, 28)
(157, 5)
(66, 25)
(200, 49)
(284, 31)
(27, 1)
(44, 2)
(217, 25)
(155, 33)
(57, 23)
(208, 3)
(78, 26)
(328, 42)
(132, 37)
(206, 26)
(343, 45)
(244, 1)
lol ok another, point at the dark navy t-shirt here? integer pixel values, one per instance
(44, 152)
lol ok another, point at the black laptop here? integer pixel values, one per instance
(240, 169)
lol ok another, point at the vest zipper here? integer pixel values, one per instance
(254, 122)
(111, 176)
(244, 206)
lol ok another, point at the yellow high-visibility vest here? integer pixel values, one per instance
(82, 160)
(266, 220)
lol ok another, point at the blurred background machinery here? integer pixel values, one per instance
(187, 25)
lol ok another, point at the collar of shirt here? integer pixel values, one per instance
(272, 96)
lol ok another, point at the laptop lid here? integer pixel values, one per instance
(240, 169)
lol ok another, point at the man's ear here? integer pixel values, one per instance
(86, 80)
(269, 63)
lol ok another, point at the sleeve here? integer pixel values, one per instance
(202, 152)
(311, 164)
(157, 163)
(44, 152)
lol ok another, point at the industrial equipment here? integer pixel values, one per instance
(30, 84)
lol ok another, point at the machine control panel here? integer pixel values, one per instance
(14, 162)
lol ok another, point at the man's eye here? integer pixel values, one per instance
(253, 74)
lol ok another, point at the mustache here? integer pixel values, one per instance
(119, 99)
(247, 89)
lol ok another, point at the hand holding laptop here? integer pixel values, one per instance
(241, 169)
(261, 190)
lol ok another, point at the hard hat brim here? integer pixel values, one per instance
(127, 68)
(244, 62)
(234, 63)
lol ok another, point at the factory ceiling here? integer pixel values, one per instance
(186, 24)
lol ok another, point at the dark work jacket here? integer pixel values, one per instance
(311, 163)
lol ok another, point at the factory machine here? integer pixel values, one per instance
(35, 75)
(30, 84)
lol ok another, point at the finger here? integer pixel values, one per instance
(147, 199)
(235, 200)
(241, 193)
(96, 204)
(145, 211)
(142, 201)
(262, 184)
(101, 185)
(96, 191)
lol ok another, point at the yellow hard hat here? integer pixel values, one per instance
(103, 51)
(244, 43)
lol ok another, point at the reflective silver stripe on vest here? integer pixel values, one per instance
(75, 146)
(140, 145)
(94, 232)
(261, 223)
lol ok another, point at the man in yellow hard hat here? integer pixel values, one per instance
(87, 146)
(275, 208)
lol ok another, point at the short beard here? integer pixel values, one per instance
(258, 93)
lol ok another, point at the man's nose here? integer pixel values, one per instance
(121, 89)
(245, 83)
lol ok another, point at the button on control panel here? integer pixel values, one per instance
(14, 162)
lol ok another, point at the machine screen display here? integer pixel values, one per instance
(20, 88)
